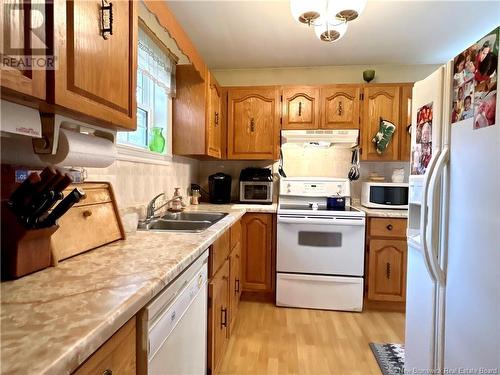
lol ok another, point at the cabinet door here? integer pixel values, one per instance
(387, 270)
(300, 108)
(115, 356)
(235, 284)
(218, 314)
(379, 102)
(18, 41)
(214, 119)
(253, 128)
(405, 122)
(257, 252)
(340, 107)
(96, 77)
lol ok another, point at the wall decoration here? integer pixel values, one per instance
(486, 80)
(421, 152)
(475, 79)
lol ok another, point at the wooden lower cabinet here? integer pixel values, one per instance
(386, 258)
(115, 356)
(235, 284)
(257, 252)
(224, 291)
(218, 312)
(387, 269)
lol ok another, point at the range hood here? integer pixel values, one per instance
(322, 138)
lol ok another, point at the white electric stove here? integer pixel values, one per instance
(320, 251)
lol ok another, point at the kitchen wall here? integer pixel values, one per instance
(136, 183)
(321, 75)
(232, 168)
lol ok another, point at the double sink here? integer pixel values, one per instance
(185, 222)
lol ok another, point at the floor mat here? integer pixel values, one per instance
(390, 358)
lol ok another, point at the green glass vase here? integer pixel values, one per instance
(157, 141)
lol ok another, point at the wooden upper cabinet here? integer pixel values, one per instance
(253, 123)
(18, 42)
(381, 101)
(300, 108)
(96, 77)
(214, 118)
(340, 107)
(387, 270)
(405, 122)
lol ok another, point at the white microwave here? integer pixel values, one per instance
(392, 195)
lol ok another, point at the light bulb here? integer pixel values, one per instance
(308, 11)
(345, 9)
(330, 32)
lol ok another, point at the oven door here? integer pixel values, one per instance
(321, 245)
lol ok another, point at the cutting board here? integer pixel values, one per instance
(91, 223)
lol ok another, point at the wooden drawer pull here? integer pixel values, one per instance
(223, 319)
(86, 214)
(389, 226)
(236, 286)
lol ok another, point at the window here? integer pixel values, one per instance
(155, 88)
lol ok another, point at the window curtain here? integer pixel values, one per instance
(157, 64)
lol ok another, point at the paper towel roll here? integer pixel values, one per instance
(81, 150)
(18, 150)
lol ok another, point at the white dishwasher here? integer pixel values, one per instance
(173, 327)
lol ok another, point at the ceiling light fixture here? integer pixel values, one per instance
(329, 17)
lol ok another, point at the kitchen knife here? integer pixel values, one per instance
(63, 207)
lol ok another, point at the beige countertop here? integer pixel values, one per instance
(379, 212)
(54, 319)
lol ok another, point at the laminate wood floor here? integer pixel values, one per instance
(272, 340)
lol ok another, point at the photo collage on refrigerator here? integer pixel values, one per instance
(422, 149)
(475, 82)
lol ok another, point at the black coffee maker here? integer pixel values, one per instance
(219, 187)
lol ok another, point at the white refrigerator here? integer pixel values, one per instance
(453, 282)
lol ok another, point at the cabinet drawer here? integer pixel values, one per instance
(115, 356)
(85, 227)
(388, 227)
(218, 253)
(235, 234)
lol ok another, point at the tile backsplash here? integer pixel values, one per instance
(136, 183)
(232, 168)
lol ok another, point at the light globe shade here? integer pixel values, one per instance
(308, 11)
(347, 10)
(330, 32)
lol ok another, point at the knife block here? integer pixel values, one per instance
(24, 251)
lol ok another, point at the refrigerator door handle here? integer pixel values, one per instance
(424, 216)
(438, 170)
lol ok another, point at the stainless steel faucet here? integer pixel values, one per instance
(150, 211)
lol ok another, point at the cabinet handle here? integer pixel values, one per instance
(107, 372)
(216, 119)
(389, 227)
(236, 286)
(388, 270)
(339, 109)
(300, 109)
(106, 18)
(223, 318)
(87, 213)
(252, 125)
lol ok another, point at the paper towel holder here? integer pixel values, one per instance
(51, 125)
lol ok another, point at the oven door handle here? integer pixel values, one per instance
(321, 220)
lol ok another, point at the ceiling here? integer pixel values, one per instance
(258, 34)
